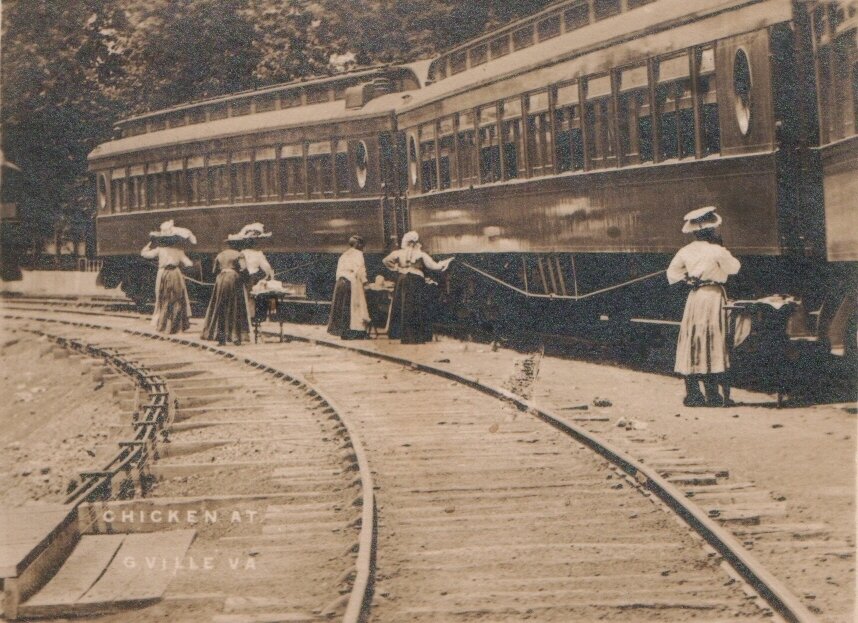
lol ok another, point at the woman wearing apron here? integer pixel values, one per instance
(349, 317)
(704, 265)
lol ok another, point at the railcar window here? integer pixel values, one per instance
(490, 166)
(446, 149)
(838, 87)
(605, 8)
(512, 138)
(634, 116)
(218, 179)
(265, 103)
(241, 177)
(320, 169)
(458, 62)
(239, 108)
(577, 16)
(156, 125)
(218, 112)
(317, 96)
(177, 120)
(708, 102)
(196, 181)
(549, 28)
(500, 46)
(675, 108)
(633, 4)
(292, 170)
(343, 172)
(568, 128)
(265, 174)
(522, 38)
(412, 161)
(539, 147)
(428, 169)
(290, 99)
(479, 55)
(175, 184)
(118, 196)
(597, 121)
(197, 115)
(467, 150)
(154, 188)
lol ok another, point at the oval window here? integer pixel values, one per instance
(412, 160)
(742, 90)
(361, 159)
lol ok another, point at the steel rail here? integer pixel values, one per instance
(360, 595)
(780, 598)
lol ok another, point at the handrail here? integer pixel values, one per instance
(562, 297)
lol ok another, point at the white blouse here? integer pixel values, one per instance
(702, 260)
(255, 261)
(166, 256)
(351, 265)
(412, 261)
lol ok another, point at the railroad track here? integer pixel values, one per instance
(276, 484)
(488, 513)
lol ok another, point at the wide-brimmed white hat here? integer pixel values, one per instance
(169, 230)
(250, 232)
(701, 218)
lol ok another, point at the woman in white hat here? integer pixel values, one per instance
(172, 304)
(704, 265)
(227, 316)
(409, 314)
(255, 261)
(349, 317)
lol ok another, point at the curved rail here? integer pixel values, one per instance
(360, 594)
(772, 590)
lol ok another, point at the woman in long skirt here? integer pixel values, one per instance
(349, 317)
(172, 304)
(227, 316)
(410, 320)
(704, 265)
(257, 264)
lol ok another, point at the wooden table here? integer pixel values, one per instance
(274, 306)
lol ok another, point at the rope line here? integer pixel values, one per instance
(562, 297)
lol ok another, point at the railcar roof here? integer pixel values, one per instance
(299, 116)
(646, 20)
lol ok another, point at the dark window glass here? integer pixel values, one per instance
(241, 178)
(319, 95)
(490, 167)
(218, 112)
(570, 140)
(197, 115)
(177, 120)
(219, 184)
(512, 147)
(549, 28)
(290, 99)
(239, 108)
(635, 126)
(711, 131)
(458, 62)
(676, 115)
(577, 16)
(605, 8)
(499, 47)
(292, 176)
(522, 38)
(600, 145)
(539, 144)
(467, 154)
(156, 125)
(266, 103)
(320, 172)
(479, 55)
(344, 177)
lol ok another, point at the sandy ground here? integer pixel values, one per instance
(53, 420)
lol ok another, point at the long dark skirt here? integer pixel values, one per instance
(410, 318)
(339, 322)
(227, 319)
(172, 308)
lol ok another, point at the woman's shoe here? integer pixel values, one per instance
(715, 401)
(694, 400)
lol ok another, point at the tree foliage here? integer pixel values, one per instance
(71, 68)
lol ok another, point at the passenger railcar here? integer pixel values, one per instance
(555, 157)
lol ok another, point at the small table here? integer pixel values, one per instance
(273, 305)
(767, 342)
(378, 305)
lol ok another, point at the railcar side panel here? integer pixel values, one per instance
(636, 210)
(840, 186)
(306, 226)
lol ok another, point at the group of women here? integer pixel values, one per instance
(703, 266)
(237, 267)
(241, 266)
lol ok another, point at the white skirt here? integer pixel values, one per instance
(702, 344)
